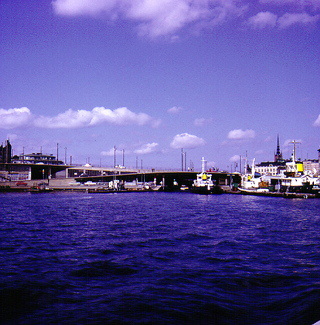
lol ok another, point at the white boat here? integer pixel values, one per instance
(184, 188)
(292, 180)
(203, 184)
(258, 190)
(254, 182)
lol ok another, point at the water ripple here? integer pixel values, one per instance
(158, 258)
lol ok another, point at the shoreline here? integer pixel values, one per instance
(45, 188)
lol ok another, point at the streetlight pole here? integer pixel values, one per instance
(182, 154)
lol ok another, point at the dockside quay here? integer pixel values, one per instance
(25, 176)
(40, 172)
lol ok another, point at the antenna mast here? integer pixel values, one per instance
(294, 142)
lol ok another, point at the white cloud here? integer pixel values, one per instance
(268, 19)
(240, 134)
(84, 7)
(317, 121)
(120, 150)
(235, 158)
(211, 164)
(174, 110)
(141, 149)
(262, 20)
(108, 153)
(155, 18)
(98, 115)
(158, 18)
(18, 117)
(120, 116)
(14, 117)
(299, 4)
(69, 119)
(186, 141)
(12, 136)
(288, 19)
(202, 121)
(146, 148)
(298, 12)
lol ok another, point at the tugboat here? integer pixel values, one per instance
(203, 184)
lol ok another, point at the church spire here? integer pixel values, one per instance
(278, 155)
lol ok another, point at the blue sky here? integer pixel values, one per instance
(218, 78)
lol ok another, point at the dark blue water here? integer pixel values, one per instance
(158, 258)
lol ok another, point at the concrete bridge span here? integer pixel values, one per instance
(168, 178)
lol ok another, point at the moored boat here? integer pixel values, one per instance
(293, 182)
(204, 184)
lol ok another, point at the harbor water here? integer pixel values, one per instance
(158, 258)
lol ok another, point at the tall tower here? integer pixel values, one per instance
(6, 152)
(278, 155)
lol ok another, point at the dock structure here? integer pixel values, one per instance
(66, 176)
(167, 179)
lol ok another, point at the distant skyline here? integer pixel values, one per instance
(219, 79)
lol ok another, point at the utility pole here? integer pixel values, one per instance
(246, 166)
(182, 154)
(114, 156)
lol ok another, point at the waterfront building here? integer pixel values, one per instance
(272, 168)
(5, 152)
(311, 167)
(280, 165)
(37, 158)
(29, 166)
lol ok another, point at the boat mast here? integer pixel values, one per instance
(294, 142)
(253, 168)
(203, 165)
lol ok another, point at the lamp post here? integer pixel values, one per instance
(182, 156)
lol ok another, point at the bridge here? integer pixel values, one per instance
(169, 179)
(88, 173)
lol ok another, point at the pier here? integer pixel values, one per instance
(23, 177)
